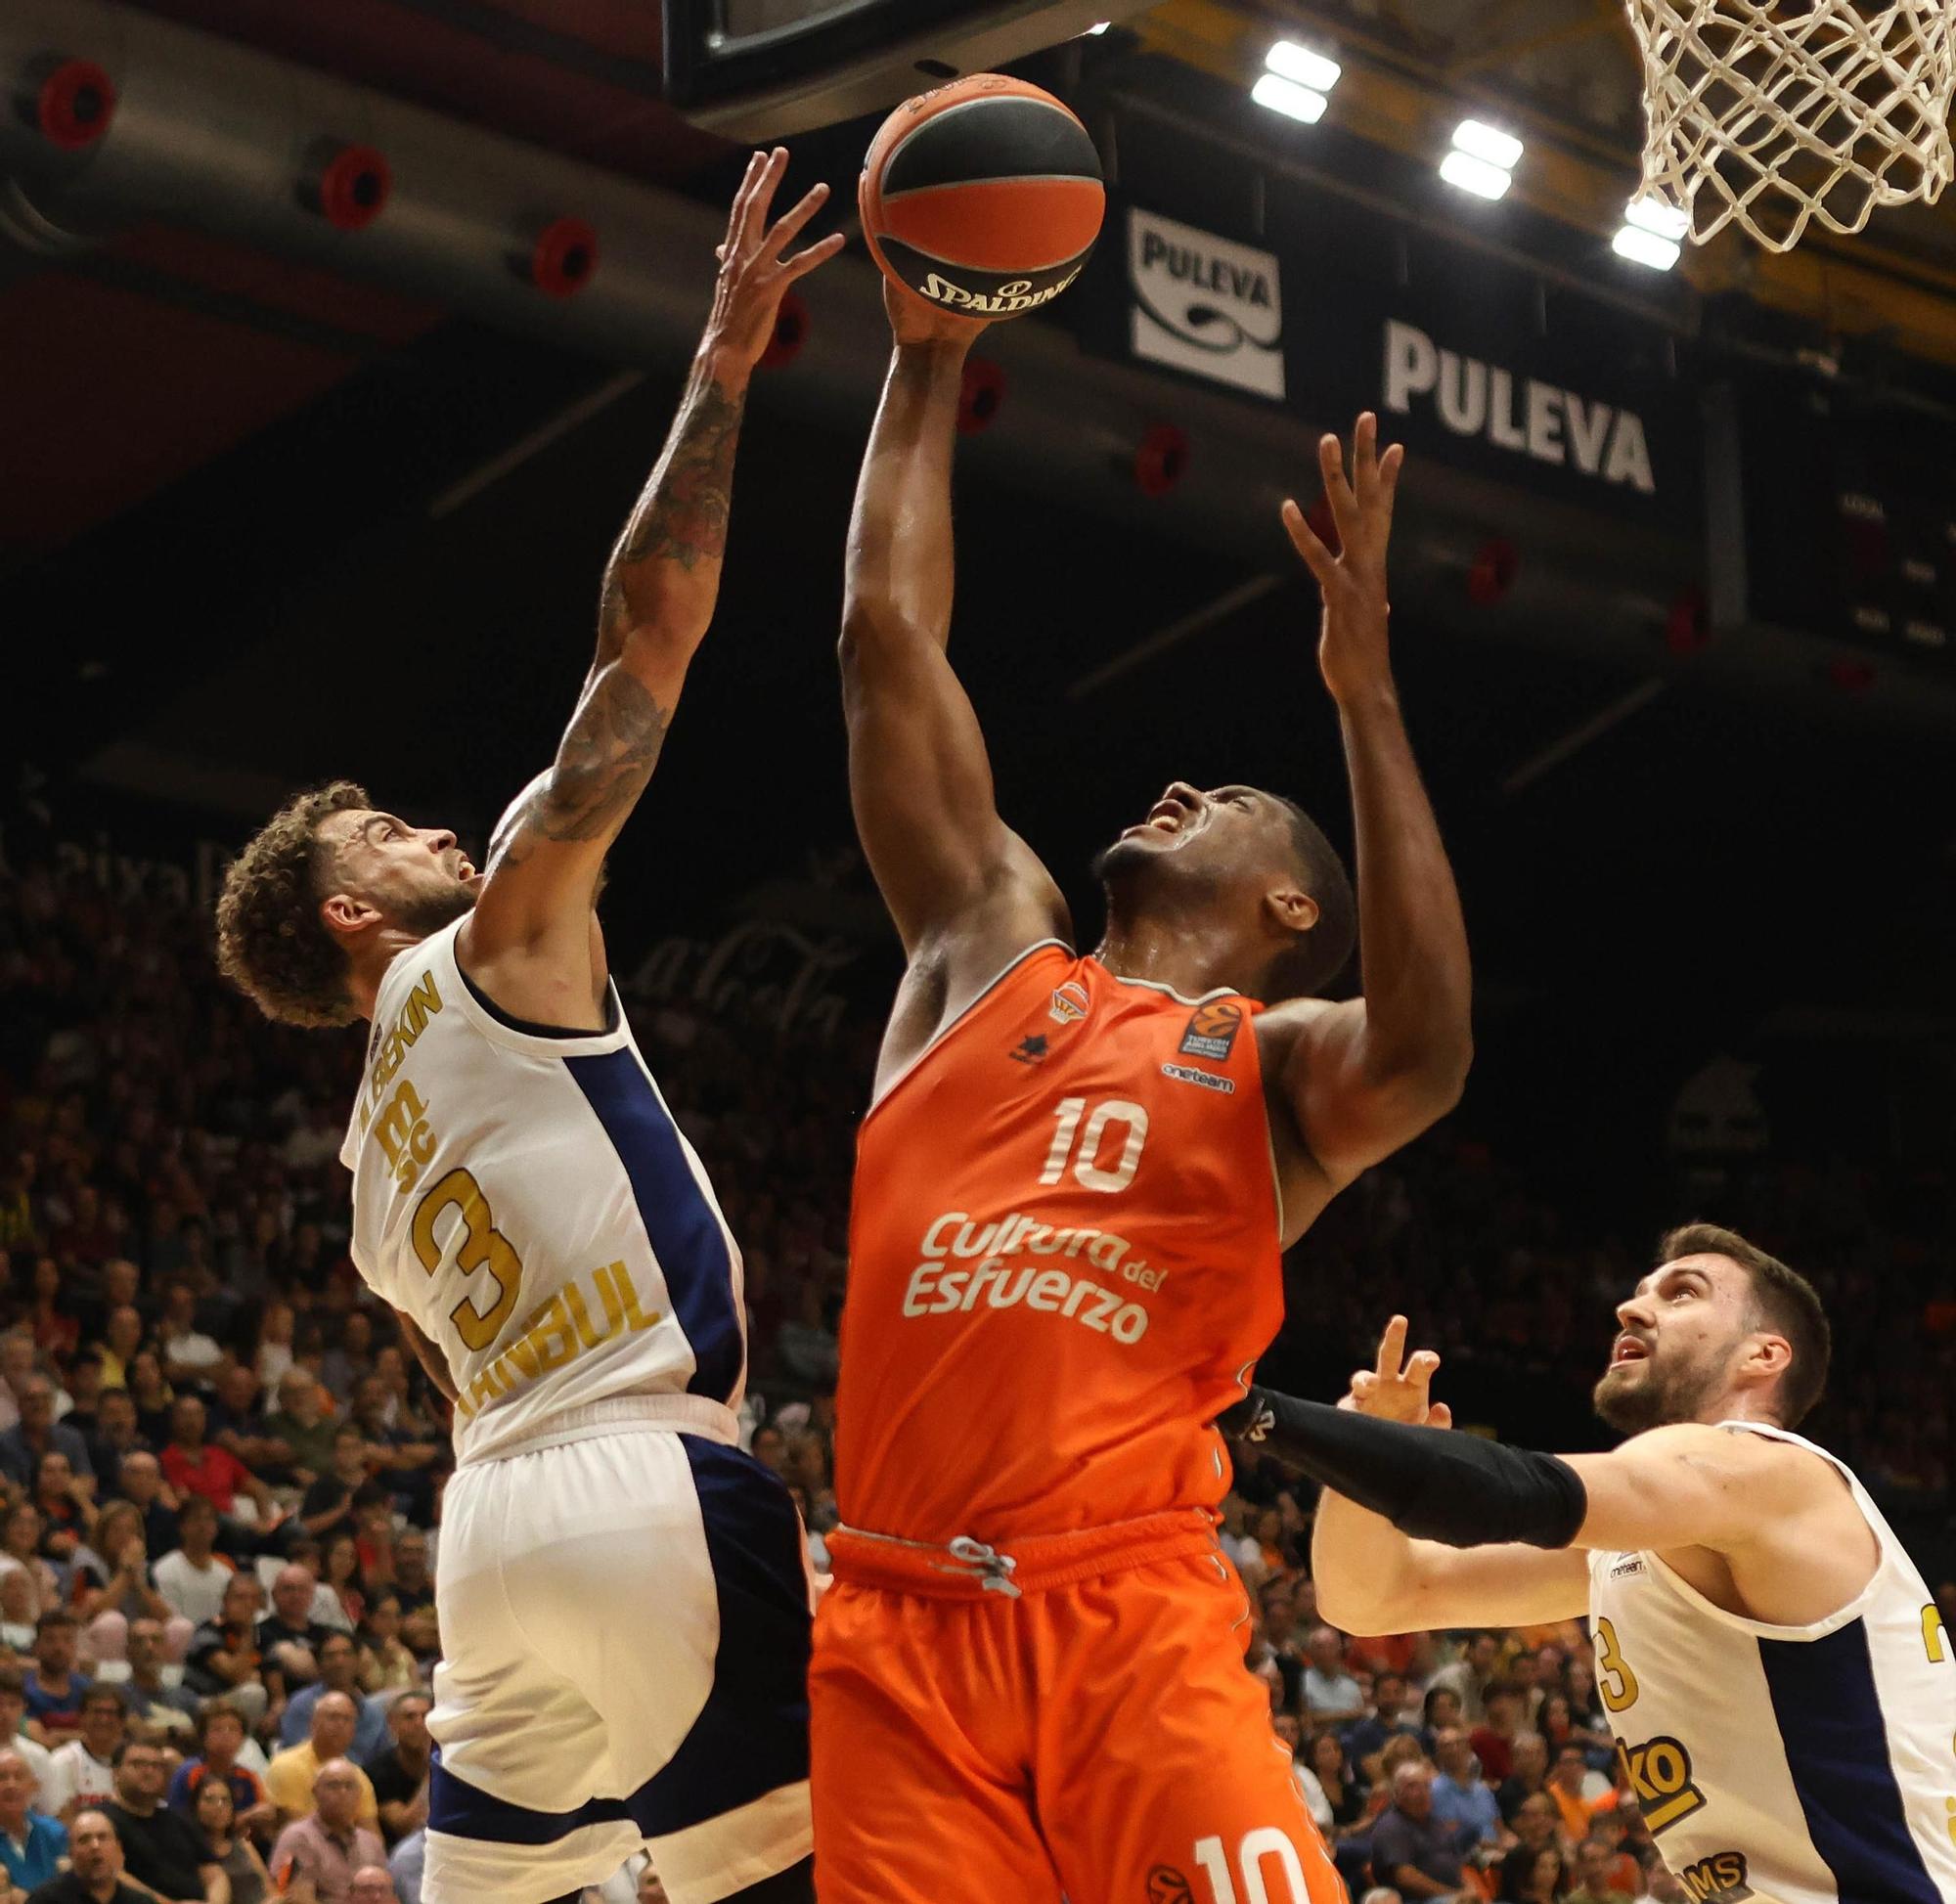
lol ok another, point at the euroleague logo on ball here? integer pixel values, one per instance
(1167, 1886)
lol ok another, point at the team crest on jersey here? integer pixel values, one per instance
(1212, 1030)
(1070, 1004)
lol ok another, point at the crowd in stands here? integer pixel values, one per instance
(222, 1475)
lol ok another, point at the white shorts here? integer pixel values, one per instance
(626, 1628)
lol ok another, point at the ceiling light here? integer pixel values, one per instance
(1475, 175)
(1100, 26)
(1645, 247)
(1660, 220)
(1290, 61)
(1293, 101)
(1501, 149)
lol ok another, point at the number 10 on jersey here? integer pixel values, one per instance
(1113, 1121)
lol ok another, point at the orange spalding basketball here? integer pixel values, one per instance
(983, 197)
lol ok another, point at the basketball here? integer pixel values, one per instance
(983, 197)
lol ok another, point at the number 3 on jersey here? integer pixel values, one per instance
(1129, 1121)
(483, 1247)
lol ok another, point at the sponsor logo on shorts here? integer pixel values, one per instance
(1030, 1050)
(1168, 1885)
(1208, 1080)
(1212, 1030)
(1070, 1004)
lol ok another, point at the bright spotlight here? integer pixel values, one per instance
(1299, 63)
(1285, 96)
(1475, 175)
(1498, 149)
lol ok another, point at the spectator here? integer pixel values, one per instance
(66, 1504)
(1506, 1705)
(38, 1760)
(329, 1503)
(288, 1636)
(1387, 1718)
(1528, 1753)
(1537, 1875)
(1411, 1849)
(1567, 1787)
(1468, 1678)
(169, 1711)
(338, 1672)
(224, 1656)
(220, 1738)
(33, 1845)
(189, 1358)
(82, 1775)
(400, 1774)
(317, 1855)
(299, 1423)
(115, 1438)
(1440, 1709)
(153, 1395)
(1331, 1695)
(387, 1665)
(113, 1586)
(53, 1688)
(341, 1575)
(289, 1779)
(1382, 1895)
(406, 1865)
(1459, 1799)
(215, 1815)
(414, 1583)
(83, 1378)
(1334, 1797)
(21, 1551)
(193, 1466)
(234, 1423)
(36, 1433)
(192, 1580)
(372, 1883)
(161, 1848)
(122, 1338)
(1592, 1885)
(140, 1482)
(95, 1867)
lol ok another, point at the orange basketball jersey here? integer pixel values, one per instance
(1064, 1261)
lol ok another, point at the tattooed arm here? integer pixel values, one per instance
(531, 942)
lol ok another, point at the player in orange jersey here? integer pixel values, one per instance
(1070, 1197)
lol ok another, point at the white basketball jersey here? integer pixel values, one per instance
(528, 1200)
(1791, 1764)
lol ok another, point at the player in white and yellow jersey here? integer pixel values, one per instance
(1781, 1685)
(623, 1593)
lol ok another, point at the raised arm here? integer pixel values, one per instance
(529, 941)
(961, 886)
(1366, 1075)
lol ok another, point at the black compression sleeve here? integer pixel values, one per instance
(1432, 1484)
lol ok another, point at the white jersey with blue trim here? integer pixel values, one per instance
(1787, 1764)
(530, 1201)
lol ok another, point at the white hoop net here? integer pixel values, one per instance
(1775, 113)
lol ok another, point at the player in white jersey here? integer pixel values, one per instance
(623, 1593)
(1779, 1680)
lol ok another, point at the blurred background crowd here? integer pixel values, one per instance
(223, 1476)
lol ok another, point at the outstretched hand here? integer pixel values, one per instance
(754, 274)
(1352, 650)
(1396, 1389)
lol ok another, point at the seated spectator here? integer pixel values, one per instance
(20, 1609)
(1467, 1678)
(140, 1482)
(37, 1432)
(1387, 1719)
(53, 1688)
(329, 1503)
(160, 1850)
(317, 1854)
(1506, 1705)
(1537, 1826)
(189, 1357)
(341, 1576)
(1625, 1868)
(1330, 1694)
(121, 1337)
(66, 1504)
(235, 1423)
(1411, 1849)
(224, 1657)
(289, 1779)
(299, 1422)
(194, 1466)
(290, 1636)
(82, 1774)
(406, 1864)
(1528, 1753)
(338, 1672)
(385, 1664)
(1569, 1787)
(1595, 1872)
(1459, 1799)
(83, 1382)
(169, 1713)
(1440, 1709)
(114, 1439)
(372, 1883)
(1539, 1876)
(192, 1578)
(220, 1738)
(32, 1843)
(113, 1586)
(400, 1774)
(153, 1395)
(95, 1867)
(405, 1463)
(414, 1579)
(214, 1813)
(33, 1755)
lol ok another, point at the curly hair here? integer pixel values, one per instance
(271, 942)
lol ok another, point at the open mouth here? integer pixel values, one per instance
(1628, 1348)
(1169, 817)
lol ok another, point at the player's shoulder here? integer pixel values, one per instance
(1740, 1455)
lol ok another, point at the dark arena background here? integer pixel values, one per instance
(336, 343)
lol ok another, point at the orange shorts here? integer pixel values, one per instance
(1093, 1735)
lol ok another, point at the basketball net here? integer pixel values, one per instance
(1772, 114)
